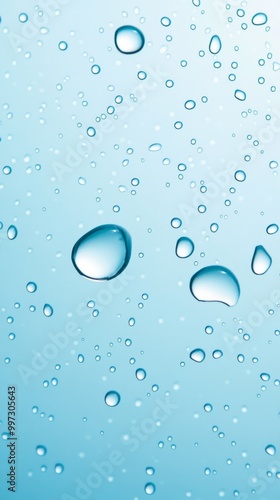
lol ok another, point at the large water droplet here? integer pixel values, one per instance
(103, 253)
(261, 260)
(112, 398)
(259, 19)
(184, 247)
(215, 44)
(215, 284)
(197, 355)
(129, 39)
(12, 232)
(270, 449)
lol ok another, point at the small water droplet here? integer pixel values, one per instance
(259, 19)
(150, 488)
(176, 222)
(6, 170)
(184, 247)
(12, 232)
(91, 131)
(208, 407)
(102, 253)
(31, 287)
(112, 398)
(62, 45)
(261, 260)
(215, 44)
(150, 471)
(215, 284)
(140, 374)
(240, 95)
(165, 21)
(190, 104)
(41, 450)
(270, 449)
(48, 310)
(95, 69)
(197, 355)
(59, 468)
(129, 39)
(272, 229)
(217, 354)
(155, 147)
(273, 164)
(81, 358)
(240, 175)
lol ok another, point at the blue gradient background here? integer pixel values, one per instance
(42, 128)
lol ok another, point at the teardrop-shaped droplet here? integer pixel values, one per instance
(129, 39)
(103, 253)
(261, 260)
(240, 95)
(48, 310)
(112, 398)
(215, 284)
(259, 19)
(184, 247)
(197, 355)
(215, 44)
(270, 449)
(12, 232)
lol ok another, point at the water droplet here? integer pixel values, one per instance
(217, 354)
(261, 260)
(81, 358)
(91, 131)
(95, 69)
(208, 407)
(129, 39)
(190, 104)
(102, 253)
(214, 227)
(270, 449)
(273, 164)
(240, 95)
(259, 19)
(150, 471)
(59, 468)
(31, 287)
(272, 229)
(215, 44)
(41, 450)
(155, 147)
(265, 377)
(184, 247)
(197, 355)
(165, 21)
(48, 310)
(240, 175)
(23, 17)
(215, 284)
(150, 488)
(176, 222)
(112, 398)
(6, 170)
(140, 374)
(12, 232)
(62, 45)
